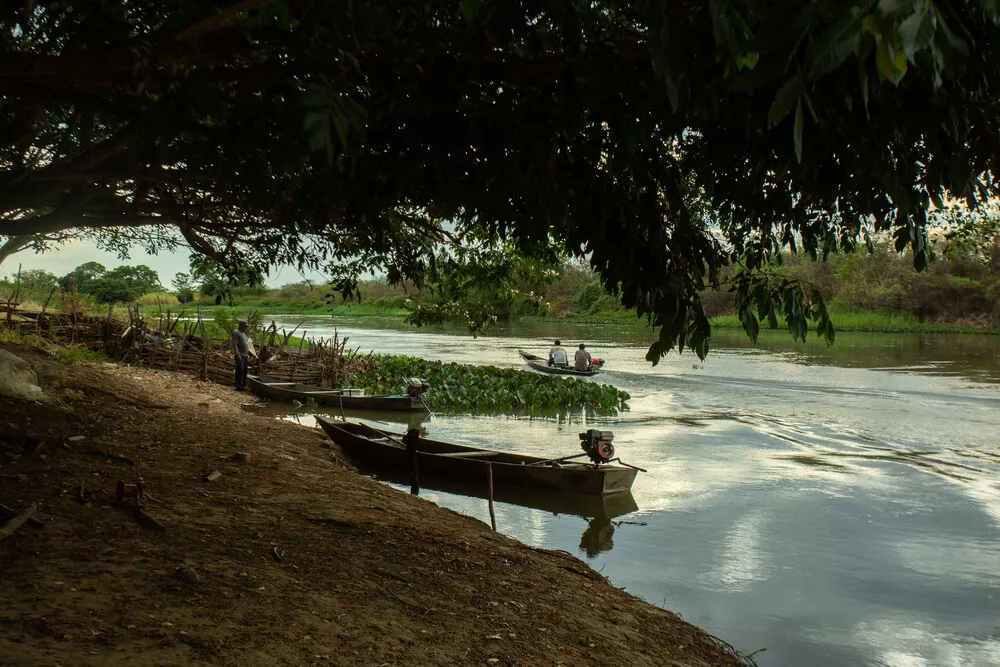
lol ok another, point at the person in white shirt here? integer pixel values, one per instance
(558, 356)
(581, 360)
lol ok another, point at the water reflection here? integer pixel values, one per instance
(597, 537)
(588, 506)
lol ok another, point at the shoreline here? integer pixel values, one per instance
(285, 556)
(849, 322)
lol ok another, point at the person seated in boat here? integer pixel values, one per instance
(582, 358)
(558, 356)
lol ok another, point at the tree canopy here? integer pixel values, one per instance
(661, 140)
(124, 284)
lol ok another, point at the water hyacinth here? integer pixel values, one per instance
(489, 388)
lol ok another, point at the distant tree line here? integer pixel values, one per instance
(91, 279)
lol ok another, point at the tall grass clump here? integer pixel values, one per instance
(163, 299)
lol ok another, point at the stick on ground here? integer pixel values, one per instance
(16, 522)
(8, 512)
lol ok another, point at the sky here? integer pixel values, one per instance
(68, 256)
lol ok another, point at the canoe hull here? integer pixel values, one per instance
(276, 390)
(542, 366)
(383, 447)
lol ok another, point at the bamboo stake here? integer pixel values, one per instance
(41, 317)
(297, 356)
(489, 482)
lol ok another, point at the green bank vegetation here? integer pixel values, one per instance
(68, 355)
(864, 291)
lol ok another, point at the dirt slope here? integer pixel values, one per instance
(288, 558)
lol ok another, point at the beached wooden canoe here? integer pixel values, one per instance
(542, 366)
(276, 390)
(469, 463)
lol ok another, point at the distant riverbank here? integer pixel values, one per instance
(859, 321)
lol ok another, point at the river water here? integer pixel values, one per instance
(834, 506)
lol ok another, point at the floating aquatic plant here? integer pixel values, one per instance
(488, 388)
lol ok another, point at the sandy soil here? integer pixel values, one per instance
(288, 558)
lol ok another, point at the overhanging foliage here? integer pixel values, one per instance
(660, 139)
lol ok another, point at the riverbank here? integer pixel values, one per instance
(854, 321)
(287, 557)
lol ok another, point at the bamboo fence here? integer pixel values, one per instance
(174, 342)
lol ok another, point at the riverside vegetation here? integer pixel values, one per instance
(876, 291)
(488, 388)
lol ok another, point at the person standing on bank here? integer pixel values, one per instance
(242, 351)
(582, 359)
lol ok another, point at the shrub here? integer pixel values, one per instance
(589, 295)
(158, 298)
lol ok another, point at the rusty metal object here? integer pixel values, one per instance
(128, 491)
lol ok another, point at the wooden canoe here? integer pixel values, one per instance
(542, 366)
(469, 463)
(276, 390)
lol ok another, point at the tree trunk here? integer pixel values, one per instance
(13, 245)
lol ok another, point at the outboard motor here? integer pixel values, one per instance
(416, 386)
(597, 445)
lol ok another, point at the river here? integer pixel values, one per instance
(834, 506)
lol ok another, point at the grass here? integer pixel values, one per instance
(166, 299)
(68, 356)
(870, 321)
(76, 356)
(860, 321)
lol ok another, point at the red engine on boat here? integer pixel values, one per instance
(597, 445)
(596, 362)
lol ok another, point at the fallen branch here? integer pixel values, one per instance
(16, 522)
(32, 521)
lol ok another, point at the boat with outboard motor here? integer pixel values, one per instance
(542, 366)
(600, 476)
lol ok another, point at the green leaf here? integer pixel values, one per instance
(797, 132)
(890, 62)
(863, 83)
(954, 41)
(469, 8)
(917, 31)
(992, 9)
(317, 127)
(833, 47)
(889, 7)
(748, 61)
(784, 102)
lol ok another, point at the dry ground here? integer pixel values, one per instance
(288, 558)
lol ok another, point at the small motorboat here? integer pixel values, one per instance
(601, 476)
(542, 366)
